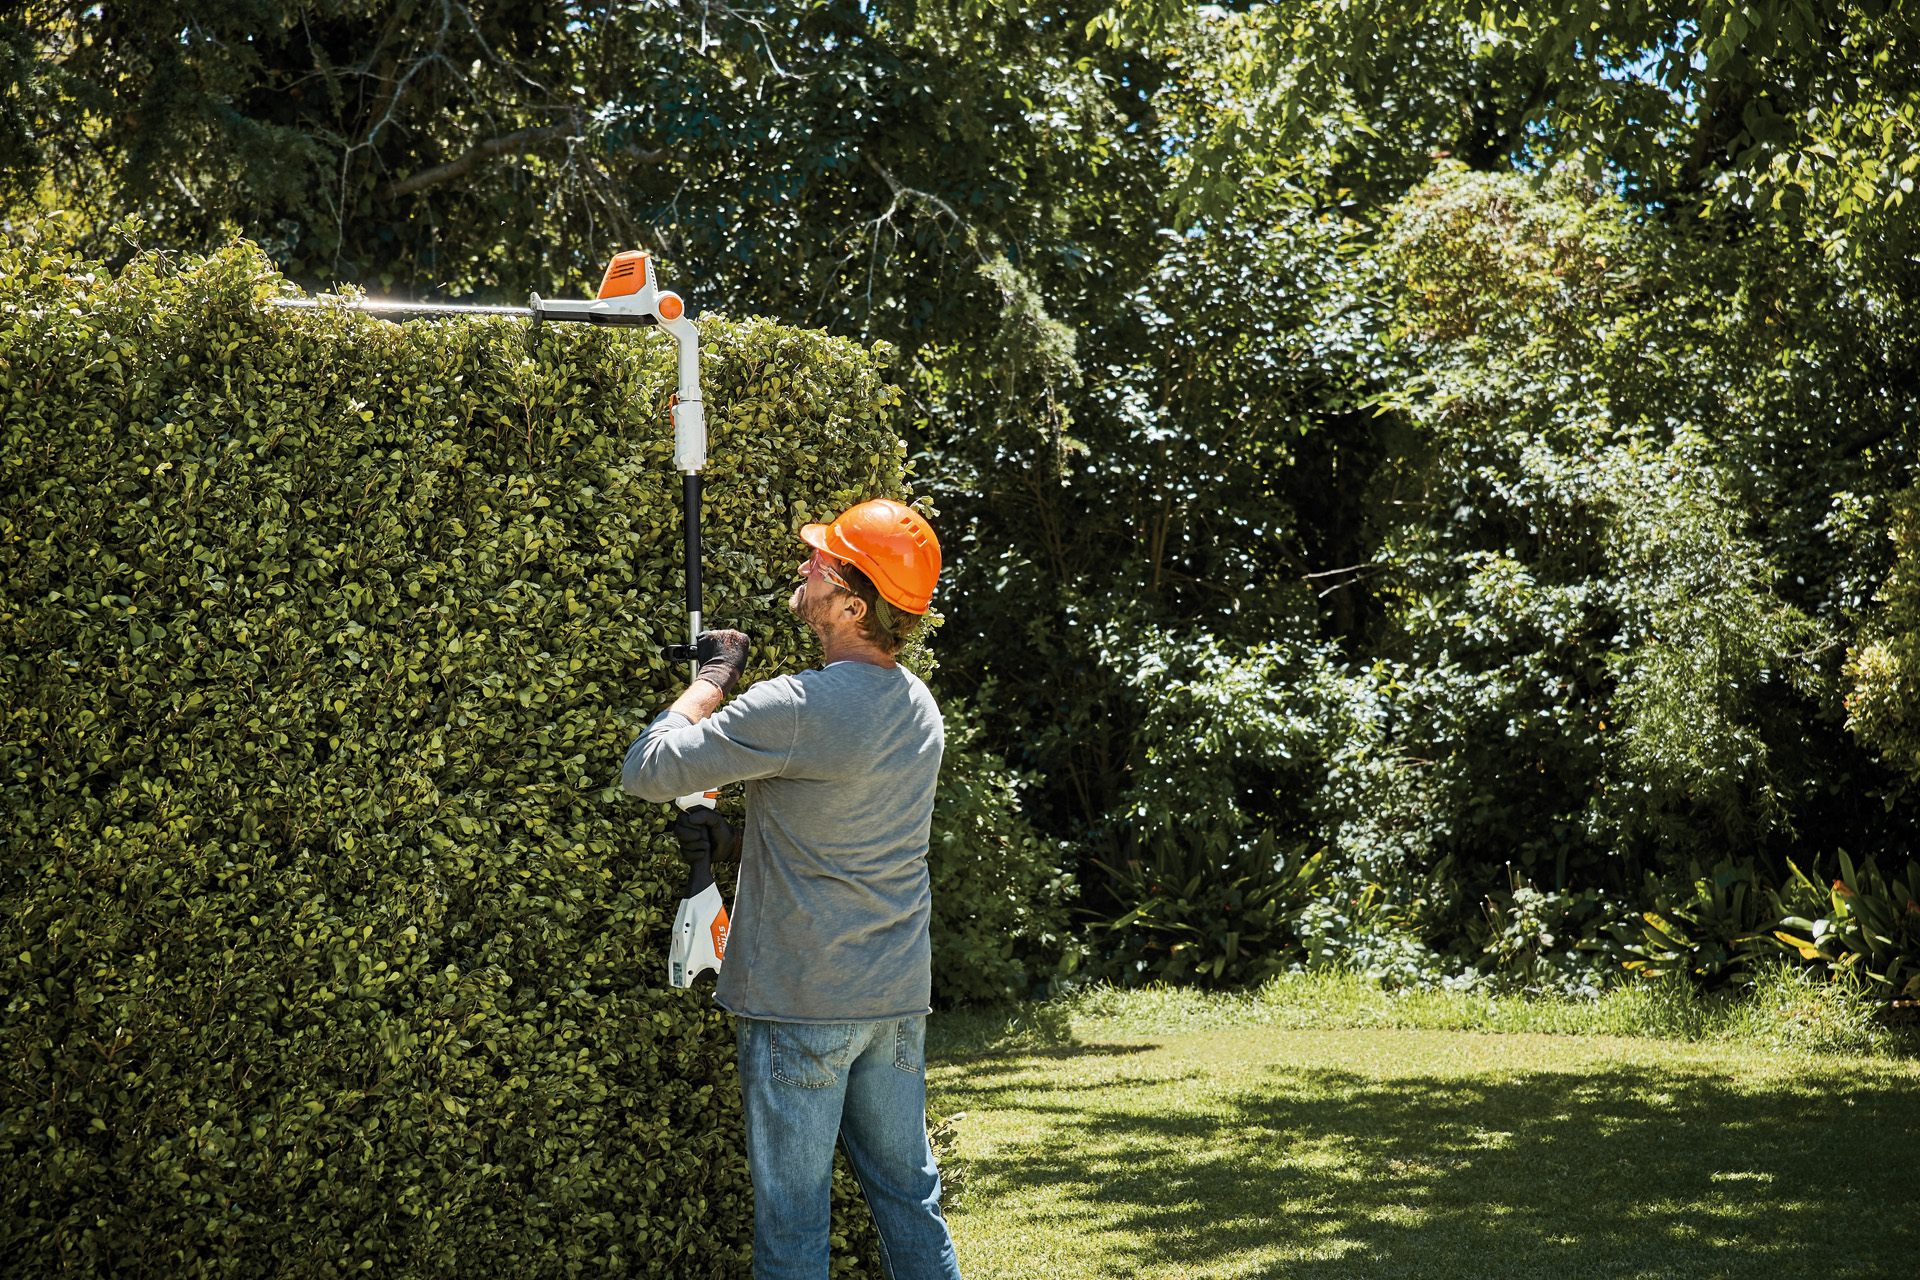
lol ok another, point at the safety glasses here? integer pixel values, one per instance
(826, 566)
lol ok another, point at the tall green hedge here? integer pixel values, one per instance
(332, 946)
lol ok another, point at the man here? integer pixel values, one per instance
(828, 963)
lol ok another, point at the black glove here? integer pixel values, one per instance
(722, 656)
(703, 834)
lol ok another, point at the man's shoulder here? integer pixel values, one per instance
(781, 690)
(774, 695)
(862, 684)
(864, 676)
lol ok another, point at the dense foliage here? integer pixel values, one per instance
(1498, 528)
(839, 162)
(332, 943)
(1000, 896)
(1433, 482)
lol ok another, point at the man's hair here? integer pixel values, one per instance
(887, 626)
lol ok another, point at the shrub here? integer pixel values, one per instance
(1870, 932)
(1542, 940)
(1209, 871)
(332, 945)
(1000, 891)
(1883, 705)
(1710, 927)
(1193, 918)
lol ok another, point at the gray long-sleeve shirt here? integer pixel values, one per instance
(829, 923)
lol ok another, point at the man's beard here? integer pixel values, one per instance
(816, 611)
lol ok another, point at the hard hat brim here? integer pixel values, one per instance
(815, 536)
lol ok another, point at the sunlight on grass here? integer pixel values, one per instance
(1787, 1010)
(1382, 1153)
(1324, 1128)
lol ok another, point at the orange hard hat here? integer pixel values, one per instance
(889, 542)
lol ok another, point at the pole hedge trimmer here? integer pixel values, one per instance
(629, 296)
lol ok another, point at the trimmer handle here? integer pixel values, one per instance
(695, 846)
(680, 653)
(699, 940)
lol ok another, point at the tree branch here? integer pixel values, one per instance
(507, 144)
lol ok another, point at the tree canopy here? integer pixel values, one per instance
(1461, 443)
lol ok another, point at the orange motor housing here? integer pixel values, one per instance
(625, 274)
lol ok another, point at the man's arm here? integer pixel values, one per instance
(723, 657)
(751, 737)
(690, 748)
(700, 700)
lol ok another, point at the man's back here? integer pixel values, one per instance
(830, 922)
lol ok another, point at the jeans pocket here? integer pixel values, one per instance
(910, 1044)
(812, 1056)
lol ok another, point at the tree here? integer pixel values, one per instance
(843, 164)
(1600, 552)
(1468, 376)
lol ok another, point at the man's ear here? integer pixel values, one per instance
(856, 609)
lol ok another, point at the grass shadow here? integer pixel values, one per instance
(1627, 1170)
(971, 1031)
(988, 1063)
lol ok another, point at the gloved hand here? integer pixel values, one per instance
(722, 656)
(702, 833)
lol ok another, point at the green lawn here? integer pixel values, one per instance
(1282, 1152)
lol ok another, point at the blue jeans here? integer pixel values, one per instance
(863, 1082)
